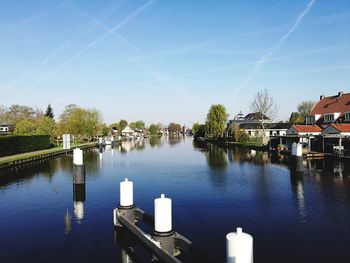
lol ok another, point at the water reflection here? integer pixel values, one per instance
(155, 141)
(67, 223)
(79, 197)
(216, 157)
(298, 191)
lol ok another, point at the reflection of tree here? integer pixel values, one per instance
(154, 141)
(216, 157)
(67, 223)
(174, 139)
(241, 154)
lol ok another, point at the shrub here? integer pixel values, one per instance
(14, 144)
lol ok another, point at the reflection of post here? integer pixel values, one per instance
(79, 196)
(298, 190)
(67, 223)
(124, 239)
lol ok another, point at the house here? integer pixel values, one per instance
(304, 130)
(5, 128)
(342, 129)
(127, 131)
(249, 118)
(332, 109)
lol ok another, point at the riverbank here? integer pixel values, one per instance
(229, 144)
(22, 158)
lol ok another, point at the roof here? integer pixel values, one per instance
(256, 116)
(307, 128)
(338, 103)
(271, 126)
(127, 129)
(344, 127)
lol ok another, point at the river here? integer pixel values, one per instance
(292, 217)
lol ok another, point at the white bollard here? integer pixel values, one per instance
(239, 247)
(162, 214)
(78, 156)
(100, 140)
(299, 149)
(126, 193)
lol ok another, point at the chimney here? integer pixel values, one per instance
(321, 97)
(340, 93)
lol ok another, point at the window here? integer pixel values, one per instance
(347, 116)
(329, 117)
(310, 119)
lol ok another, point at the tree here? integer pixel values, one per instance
(174, 128)
(216, 120)
(25, 127)
(104, 129)
(198, 130)
(265, 106)
(122, 125)
(45, 125)
(49, 112)
(17, 113)
(153, 129)
(238, 134)
(3, 113)
(140, 125)
(296, 118)
(305, 107)
(81, 122)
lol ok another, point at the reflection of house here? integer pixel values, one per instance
(5, 128)
(330, 109)
(128, 131)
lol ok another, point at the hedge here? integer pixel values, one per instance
(14, 144)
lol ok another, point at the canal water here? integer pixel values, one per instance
(292, 217)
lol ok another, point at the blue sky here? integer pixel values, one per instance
(163, 61)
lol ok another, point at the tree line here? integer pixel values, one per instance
(263, 103)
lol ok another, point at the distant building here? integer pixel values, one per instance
(4, 128)
(332, 109)
(128, 131)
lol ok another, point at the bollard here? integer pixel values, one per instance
(239, 247)
(299, 149)
(162, 216)
(79, 168)
(126, 194)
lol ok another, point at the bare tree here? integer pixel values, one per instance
(305, 107)
(265, 106)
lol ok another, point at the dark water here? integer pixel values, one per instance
(292, 218)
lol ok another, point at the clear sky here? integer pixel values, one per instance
(166, 60)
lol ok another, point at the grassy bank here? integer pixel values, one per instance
(11, 159)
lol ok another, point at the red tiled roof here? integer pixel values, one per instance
(307, 128)
(343, 127)
(332, 104)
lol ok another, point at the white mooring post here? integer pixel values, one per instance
(78, 156)
(79, 168)
(126, 193)
(299, 150)
(239, 247)
(162, 214)
(294, 149)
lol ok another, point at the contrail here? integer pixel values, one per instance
(300, 54)
(262, 61)
(91, 44)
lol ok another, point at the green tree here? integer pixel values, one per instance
(140, 125)
(49, 112)
(46, 126)
(122, 125)
(17, 113)
(153, 129)
(25, 127)
(198, 130)
(216, 121)
(238, 134)
(296, 118)
(105, 129)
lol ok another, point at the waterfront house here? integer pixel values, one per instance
(128, 131)
(332, 109)
(5, 128)
(304, 130)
